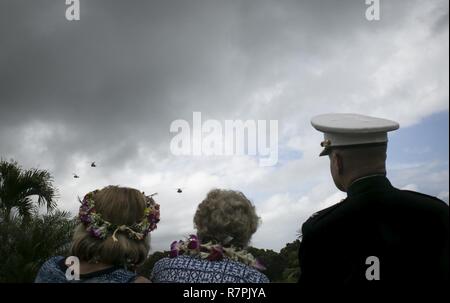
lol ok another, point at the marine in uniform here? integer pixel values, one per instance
(378, 233)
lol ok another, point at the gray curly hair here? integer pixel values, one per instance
(226, 217)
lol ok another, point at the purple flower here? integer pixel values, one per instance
(259, 265)
(95, 232)
(216, 253)
(174, 245)
(193, 242)
(174, 249)
(86, 219)
(153, 219)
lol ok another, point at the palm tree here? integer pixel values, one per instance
(24, 247)
(28, 238)
(18, 186)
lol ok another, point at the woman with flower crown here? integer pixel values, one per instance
(225, 222)
(110, 241)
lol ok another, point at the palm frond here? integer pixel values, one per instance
(17, 186)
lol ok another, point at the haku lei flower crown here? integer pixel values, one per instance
(100, 228)
(212, 252)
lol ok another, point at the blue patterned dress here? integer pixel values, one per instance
(54, 271)
(190, 269)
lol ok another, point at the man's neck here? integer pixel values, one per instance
(365, 176)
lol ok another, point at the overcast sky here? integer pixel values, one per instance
(106, 89)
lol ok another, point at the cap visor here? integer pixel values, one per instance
(325, 152)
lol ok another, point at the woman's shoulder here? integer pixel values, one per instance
(111, 275)
(54, 261)
(177, 262)
(193, 267)
(54, 271)
(51, 271)
(246, 273)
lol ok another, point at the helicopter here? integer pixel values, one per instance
(76, 176)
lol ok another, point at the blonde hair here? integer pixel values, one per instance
(226, 217)
(120, 206)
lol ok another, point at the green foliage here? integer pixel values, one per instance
(18, 186)
(27, 238)
(280, 267)
(146, 268)
(26, 245)
(273, 262)
(291, 272)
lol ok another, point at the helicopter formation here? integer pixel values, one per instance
(76, 176)
(93, 164)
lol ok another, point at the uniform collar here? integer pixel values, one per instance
(368, 183)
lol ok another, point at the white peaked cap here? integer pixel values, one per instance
(351, 130)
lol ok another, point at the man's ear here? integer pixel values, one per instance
(338, 161)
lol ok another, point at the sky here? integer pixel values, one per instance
(106, 88)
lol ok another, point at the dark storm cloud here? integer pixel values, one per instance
(117, 78)
(442, 22)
